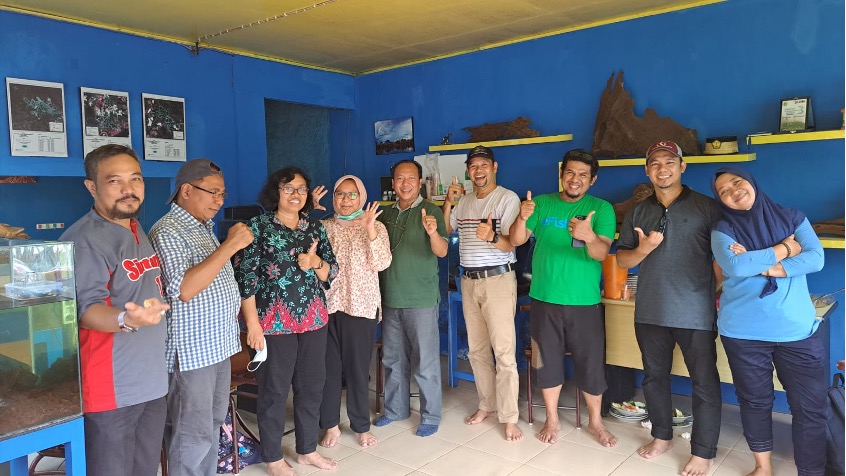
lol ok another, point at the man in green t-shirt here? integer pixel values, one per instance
(410, 296)
(573, 232)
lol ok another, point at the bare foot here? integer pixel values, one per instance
(330, 437)
(315, 459)
(280, 468)
(367, 439)
(512, 432)
(605, 437)
(477, 417)
(654, 448)
(697, 466)
(549, 433)
(759, 471)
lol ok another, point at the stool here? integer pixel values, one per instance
(577, 408)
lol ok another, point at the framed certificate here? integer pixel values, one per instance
(796, 115)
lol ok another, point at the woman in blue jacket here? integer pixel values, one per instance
(766, 317)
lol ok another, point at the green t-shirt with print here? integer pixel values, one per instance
(411, 281)
(562, 274)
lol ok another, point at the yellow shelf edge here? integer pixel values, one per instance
(834, 243)
(796, 137)
(502, 143)
(693, 159)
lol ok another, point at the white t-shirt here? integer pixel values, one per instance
(504, 205)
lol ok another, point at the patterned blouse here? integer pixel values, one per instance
(356, 291)
(288, 299)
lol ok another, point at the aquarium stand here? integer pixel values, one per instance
(70, 433)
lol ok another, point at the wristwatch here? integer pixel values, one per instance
(122, 323)
(495, 239)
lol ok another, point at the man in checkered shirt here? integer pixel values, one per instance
(202, 325)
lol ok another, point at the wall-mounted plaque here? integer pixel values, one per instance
(796, 115)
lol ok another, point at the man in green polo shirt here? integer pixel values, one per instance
(410, 296)
(574, 232)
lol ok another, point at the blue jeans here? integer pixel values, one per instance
(410, 343)
(801, 370)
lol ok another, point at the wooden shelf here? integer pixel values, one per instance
(693, 159)
(795, 137)
(834, 243)
(502, 143)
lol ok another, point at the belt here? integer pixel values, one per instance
(489, 272)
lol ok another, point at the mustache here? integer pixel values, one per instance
(127, 196)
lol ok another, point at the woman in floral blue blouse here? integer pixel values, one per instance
(283, 276)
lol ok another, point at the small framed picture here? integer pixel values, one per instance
(394, 136)
(797, 114)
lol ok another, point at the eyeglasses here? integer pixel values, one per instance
(288, 190)
(662, 225)
(350, 195)
(217, 195)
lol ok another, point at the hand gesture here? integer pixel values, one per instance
(149, 314)
(454, 191)
(318, 193)
(239, 236)
(309, 260)
(485, 231)
(582, 229)
(648, 242)
(370, 215)
(527, 207)
(430, 224)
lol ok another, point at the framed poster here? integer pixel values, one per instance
(36, 118)
(797, 114)
(394, 136)
(164, 128)
(105, 118)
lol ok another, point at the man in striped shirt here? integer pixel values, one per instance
(488, 287)
(202, 325)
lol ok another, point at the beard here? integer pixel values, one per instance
(570, 195)
(116, 213)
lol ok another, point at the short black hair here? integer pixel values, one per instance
(583, 156)
(269, 195)
(92, 159)
(408, 161)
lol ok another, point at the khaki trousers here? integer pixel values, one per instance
(489, 305)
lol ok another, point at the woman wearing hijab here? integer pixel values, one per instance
(282, 276)
(766, 317)
(362, 249)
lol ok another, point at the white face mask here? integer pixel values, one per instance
(260, 357)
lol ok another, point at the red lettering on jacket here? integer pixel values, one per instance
(136, 268)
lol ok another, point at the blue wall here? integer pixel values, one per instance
(224, 97)
(720, 69)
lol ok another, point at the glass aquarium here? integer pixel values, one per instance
(39, 346)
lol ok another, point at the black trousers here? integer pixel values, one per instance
(699, 349)
(297, 360)
(348, 351)
(126, 441)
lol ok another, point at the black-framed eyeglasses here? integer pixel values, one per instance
(350, 195)
(217, 195)
(288, 190)
(662, 225)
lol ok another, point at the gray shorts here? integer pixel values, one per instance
(579, 330)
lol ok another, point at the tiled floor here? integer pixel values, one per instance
(459, 449)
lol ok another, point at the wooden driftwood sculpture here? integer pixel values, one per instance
(618, 132)
(516, 129)
(12, 232)
(639, 194)
(830, 227)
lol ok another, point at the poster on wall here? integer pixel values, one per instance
(105, 118)
(36, 118)
(164, 128)
(394, 136)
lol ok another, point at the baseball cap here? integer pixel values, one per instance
(667, 145)
(194, 170)
(480, 151)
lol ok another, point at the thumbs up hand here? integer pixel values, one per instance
(309, 260)
(429, 223)
(486, 230)
(527, 207)
(581, 228)
(454, 191)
